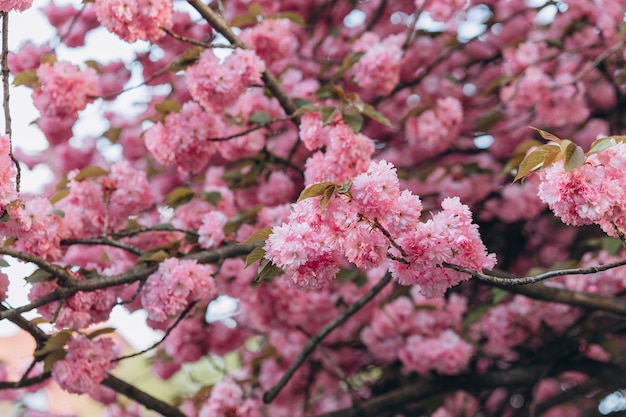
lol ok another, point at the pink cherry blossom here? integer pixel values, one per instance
(85, 365)
(177, 283)
(135, 20)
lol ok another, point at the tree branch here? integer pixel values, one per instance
(222, 27)
(141, 397)
(317, 338)
(140, 272)
(64, 276)
(6, 95)
(509, 281)
(105, 242)
(429, 387)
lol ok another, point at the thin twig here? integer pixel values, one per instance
(105, 242)
(167, 333)
(319, 336)
(534, 278)
(6, 95)
(134, 232)
(252, 129)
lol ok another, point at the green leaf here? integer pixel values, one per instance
(248, 216)
(328, 194)
(51, 358)
(315, 190)
(169, 105)
(301, 102)
(92, 171)
(186, 59)
(4, 263)
(26, 77)
(248, 17)
(5, 216)
(375, 115)
(497, 295)
(533, 160)
(112, 134)
(260, 235)
(179, 196)
(59, 195)
(293, 16)
(259, 117)
(39, 276)
(547, 135)
(100, 332)
(38, 320)
(212, 197)
(475, 315)
(348, 62)
(54, 343)
(267, 270)
(574, 157)
(354, 121)
(154, 256)
(602, 144)
(328, 113)
(257, 254)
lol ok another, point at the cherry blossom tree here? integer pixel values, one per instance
(384, 188)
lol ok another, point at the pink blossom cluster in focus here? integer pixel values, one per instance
(310, 246)
(591, 193)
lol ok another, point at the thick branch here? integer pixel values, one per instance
(574, 298)
(429, 387)
(317, 339)
(135, 274)
(141, 397)
(60, 273)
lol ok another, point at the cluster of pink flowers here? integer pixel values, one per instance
(592, 193)
(182, 138)
(378, 71)
(133, 20)
(435, 129)
(227, 400)
(272, 39)
(441, 10)
(211, 233)
(106, 202)
(346, 155)
(78, 311)
(216, 84)
(177, 283)
(447, 353)
(19, 5)
(65, 89)
(28, 57)
(421, 333)
(38, 229)
(311, 244)
(85, 364)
